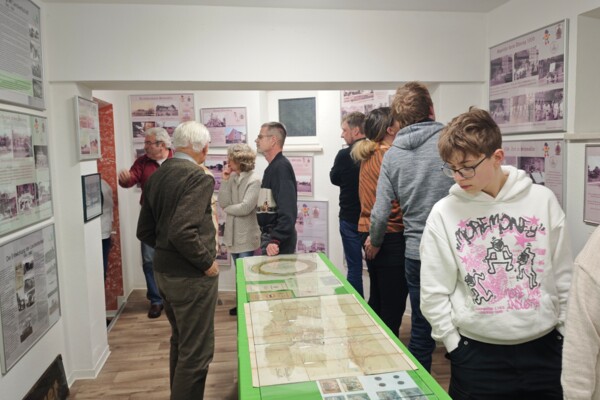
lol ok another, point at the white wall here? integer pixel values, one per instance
(114, 42)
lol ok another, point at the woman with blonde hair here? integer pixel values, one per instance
(238, 196)
(388, 289)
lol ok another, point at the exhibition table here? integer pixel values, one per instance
(304, 333)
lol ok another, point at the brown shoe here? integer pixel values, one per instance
(155, 310)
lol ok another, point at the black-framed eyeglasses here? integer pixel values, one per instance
(465, 172)
(148, 143)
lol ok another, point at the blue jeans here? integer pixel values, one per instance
(353, 252)
(421, 345)
(147, 261)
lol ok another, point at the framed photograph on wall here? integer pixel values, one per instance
(88, 129)
(216, 163)
(30, 293)
(303, 169)
(226, 125)
(591, 209)
(311, 226)
(92, 196)
(527, 86)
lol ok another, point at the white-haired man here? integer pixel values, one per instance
(157, 145)
(176, 219)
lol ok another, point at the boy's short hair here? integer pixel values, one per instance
(471, 133)
(412, 104)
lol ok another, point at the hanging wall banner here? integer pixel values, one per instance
(365, 100)
(25, 192)
(158, 111)
(591, 209)
(303, 169)
(527, 81)
(29, 297)
(542, 160)
(21, 72)
(311, 227)
(226, 125)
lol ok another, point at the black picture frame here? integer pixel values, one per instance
(91, 191)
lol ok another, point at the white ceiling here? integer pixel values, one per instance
(480, 6)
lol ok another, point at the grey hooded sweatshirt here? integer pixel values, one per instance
(411, 174)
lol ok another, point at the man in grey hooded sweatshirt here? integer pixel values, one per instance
(410, 174)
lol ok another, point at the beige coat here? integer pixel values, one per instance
(238, 197)
(581, 350)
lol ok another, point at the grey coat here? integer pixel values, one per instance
(410, 173)
(238, 197)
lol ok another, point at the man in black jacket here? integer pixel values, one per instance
(277, 206)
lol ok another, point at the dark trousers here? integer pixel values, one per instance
(106, 245)
(421, 345)
(524, 371)
(388, 288)
(190, 307)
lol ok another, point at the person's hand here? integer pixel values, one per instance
(213, 270)
(226, 172)
(124, 176)
(370, 250)
(272, 249)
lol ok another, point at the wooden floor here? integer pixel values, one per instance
(138, 366)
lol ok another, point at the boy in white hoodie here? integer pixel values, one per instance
(495, 270)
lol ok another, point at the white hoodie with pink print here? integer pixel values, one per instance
(496, 270)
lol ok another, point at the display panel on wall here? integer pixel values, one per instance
(216, 163)
(303, 169)
(311, 227)
(29, 299)
(226, 125)
(542, 160)
(158, 111)
(91, 190)
(528, 81)
(591, 209)
(21, 71)
(88, 129)
(365, 100)
(25, 189)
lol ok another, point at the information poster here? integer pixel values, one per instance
(216, 164)
(591, 212)
(158, 111)
(303, 169)
(88, 128)
(365, 100)
(25, 191)
(311, 227)
(542, 160)
(21, 72)
(527, 81)
(29, 298)
(226, 125)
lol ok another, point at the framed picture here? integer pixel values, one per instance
(591, 209)
(312, 227)
(216, 163)
(303, 169)
(88, 129)
(226, 125)
(30, 293)
(527, 86)
(92, 196)
(223, 256)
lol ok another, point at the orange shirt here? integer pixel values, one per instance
(367, 190)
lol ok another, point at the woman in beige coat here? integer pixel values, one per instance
(238, 196)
